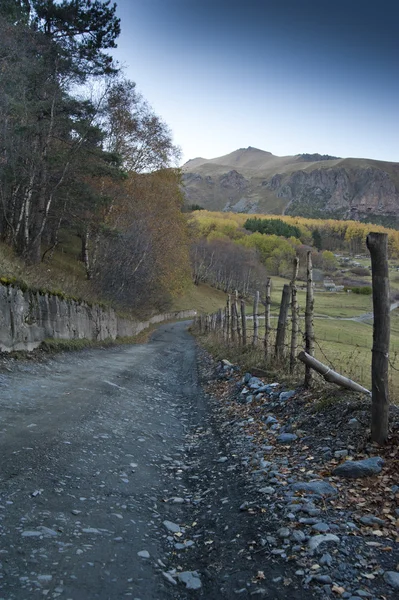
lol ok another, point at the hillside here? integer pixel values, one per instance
(250, 180)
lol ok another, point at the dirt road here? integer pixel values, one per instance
(113, 481)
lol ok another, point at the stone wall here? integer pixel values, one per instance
(27, 318)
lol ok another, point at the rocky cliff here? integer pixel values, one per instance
(309, 185)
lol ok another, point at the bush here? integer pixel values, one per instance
(362, 271)
(366, 290)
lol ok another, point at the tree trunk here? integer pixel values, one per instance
(377, 243)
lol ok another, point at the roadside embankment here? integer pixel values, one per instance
(28, 317)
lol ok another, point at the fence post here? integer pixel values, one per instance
(237, 318)
(309, 331)
(243, 324)
(228, 318)
(377, 243)
(256, 319)
(267, 318)
(294, 316)
(282, 322)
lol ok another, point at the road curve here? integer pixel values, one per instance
(98, 449)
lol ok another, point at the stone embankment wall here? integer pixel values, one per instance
(27, 318)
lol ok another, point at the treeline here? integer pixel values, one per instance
(272, 227)
(82, 151)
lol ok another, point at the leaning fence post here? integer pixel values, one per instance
(243, 323)
(309, 331)
(282, 322)
(294, 316)
(377, 243)
(256, 319)
(268, 302)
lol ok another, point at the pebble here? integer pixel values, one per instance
(172, 526)
(317, 540)
(283, 532)
(287, 438)
(321, 527)
(143, 554)
(191, 579)
(169, 578)
(298, 535)
(267, 490)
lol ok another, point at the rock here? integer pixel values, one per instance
(321, 527)
(392, 579)
(284, 396)
(323, 579)
(371, 520)
(191, 579)
(222, 459)
(319, 487)
(270, 420)
(326, 560)
(255, 381)
(171, 526)
(317, 540)
(340, 453)
(267, 490)
(143, 554)
(354, 469)
(283, 532)
(246, 378)
(169, 578)
(353, 422)
(287, 438)
(298, 536)
(227, 363)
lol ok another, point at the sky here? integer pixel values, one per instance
(286, 76)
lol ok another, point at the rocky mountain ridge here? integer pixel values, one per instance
(250, 180)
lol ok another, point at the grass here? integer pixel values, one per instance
(203, 298)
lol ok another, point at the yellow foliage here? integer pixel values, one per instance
(352, 234)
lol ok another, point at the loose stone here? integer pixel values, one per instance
(354, 469)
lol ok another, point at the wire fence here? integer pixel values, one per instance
(337, 348)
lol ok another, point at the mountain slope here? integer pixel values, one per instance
(311, 185)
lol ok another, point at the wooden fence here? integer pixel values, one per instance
(236, 327)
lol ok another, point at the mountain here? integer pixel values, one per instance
(250, 180)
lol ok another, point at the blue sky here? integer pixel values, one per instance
(286, 76)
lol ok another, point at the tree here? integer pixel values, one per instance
(330, 263)
(46, 47)
(135, 132)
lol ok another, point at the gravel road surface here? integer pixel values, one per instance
(113, 482)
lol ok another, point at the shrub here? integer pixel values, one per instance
(362, 271)
(366, 290)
